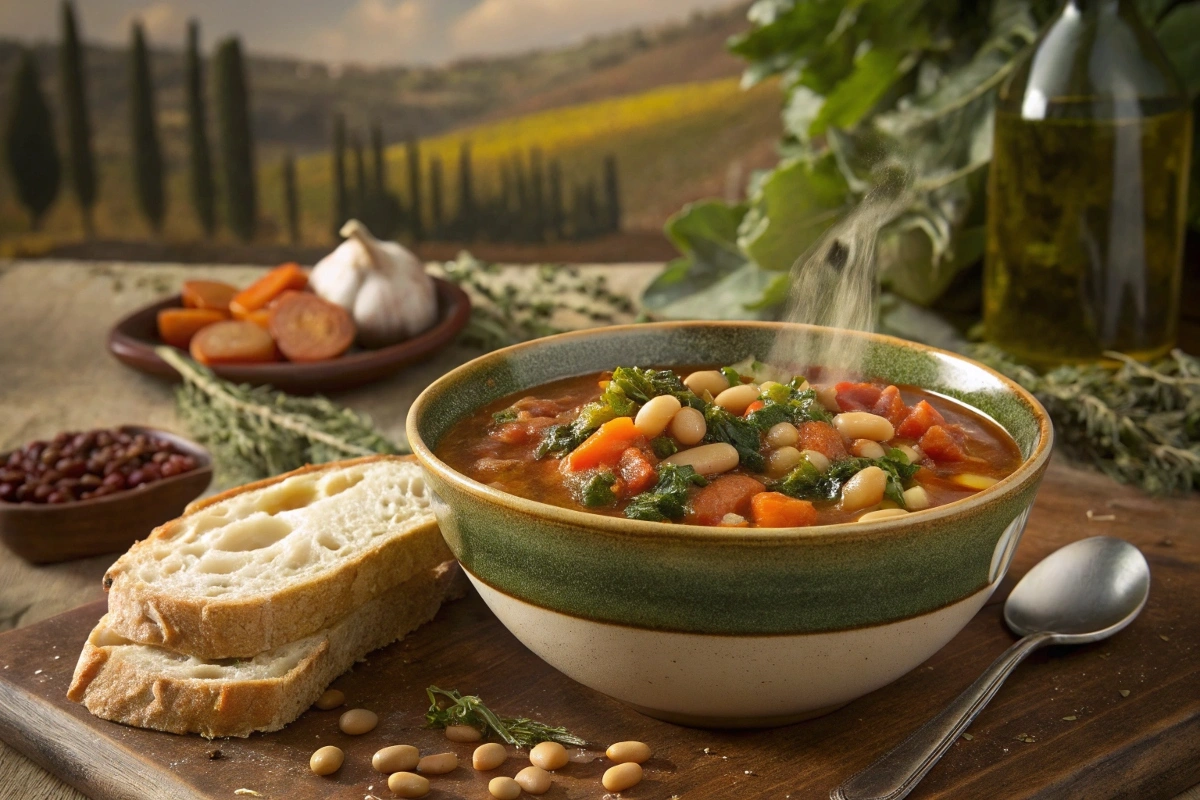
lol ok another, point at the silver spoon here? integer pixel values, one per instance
(1081, 593)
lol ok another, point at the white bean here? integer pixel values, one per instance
(327, 760)
(864, 425)
(438, 764)
(708, 459)
(707, 380)
(911, 452)
(397, 758)
(688, 426)
(549, 755)
(358, 721)
(488, 756)
(735, 399)
(534, 780)
(864, 490)
(865, 448)
(652, 419)
(783, 461)
(406, 784)
(818, 460)
(503, 788)
(622, 752)
(882, 514)
(916, 498)
(622, 777)
(463, 733)
(782, 434)
(827, 396)
(330, 699)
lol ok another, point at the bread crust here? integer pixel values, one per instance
(122, 689)
(241, 627)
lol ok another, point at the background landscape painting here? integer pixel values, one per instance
(573, 142)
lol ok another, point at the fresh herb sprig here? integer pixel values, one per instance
(257, 432)
(1138, 423)
(448, 707)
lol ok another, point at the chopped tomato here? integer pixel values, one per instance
(891, 405)
(822, 437)
(636, 472)
(775, 510)
(942, 444)
(857, 396)
(729, 494)
(605, 446)
(755, 406)
(920, 418)
(511, 433)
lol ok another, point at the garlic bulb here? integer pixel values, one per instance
(383, 286)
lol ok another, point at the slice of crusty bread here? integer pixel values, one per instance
(152, 687)
(275, 561)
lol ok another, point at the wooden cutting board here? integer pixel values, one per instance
(1142, 744)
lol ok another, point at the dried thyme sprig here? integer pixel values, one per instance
(507, 311)
(470, 710)
(257, 432)
(1138, 423)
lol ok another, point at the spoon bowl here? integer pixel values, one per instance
(1081, 593)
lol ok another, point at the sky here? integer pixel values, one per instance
(371, 32)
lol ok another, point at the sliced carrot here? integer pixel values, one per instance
(208, 294)
(919, 419)
(824, 438)
(233, 342)
(636, 471)
(177, 326)
(775, 510)
(261, 318)
(605, 446)
(755, 406)
(260, 293)
(729, 494)
(310, 328)
(891, 405)
(857, 396)
(941, 444)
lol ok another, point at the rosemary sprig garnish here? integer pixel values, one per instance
(470, 710)
(1138, 423)
(257, 432)
(505, 312)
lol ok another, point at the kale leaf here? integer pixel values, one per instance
(598, 492)
(732, 375)
(664, 446)
(640, 385)
(561, 439)
(505, 415)
(668, 499)
(789, 403)
(724, 426)
(806, 482)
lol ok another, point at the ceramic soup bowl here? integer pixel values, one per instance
(729, 627)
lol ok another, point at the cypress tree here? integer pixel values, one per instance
(436, 213)
(416, 211)
(612, 196)
(291, 205)
(359, 206)
(147, 154)
(341, 199)
(378, 162)
(29, 141)
(557, 213)
(466, 194)
(200, 174)
(75, 113)
(537, 197)
(236, 139)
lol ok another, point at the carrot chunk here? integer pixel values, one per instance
(940, 444)
(605, 446)
(891, 405)
(755, 406)
(258, 294)
(857, 396)
(232, 342)
(920, 418)
(261, 318)
(775, 510)
(730, 494)
(177, 326)
(636, 472)
(208, 294)
(309, 328)
(824, 438)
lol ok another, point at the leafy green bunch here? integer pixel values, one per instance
(806, 482)
(449, 707)
(876, 93)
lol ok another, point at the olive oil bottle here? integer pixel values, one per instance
(1087, 193)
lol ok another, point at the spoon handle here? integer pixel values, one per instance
(897, 772)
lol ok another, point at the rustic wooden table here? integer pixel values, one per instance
(55, 374)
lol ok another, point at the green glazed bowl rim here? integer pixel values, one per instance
(1030, 469)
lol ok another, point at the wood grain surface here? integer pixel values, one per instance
(1142, 744)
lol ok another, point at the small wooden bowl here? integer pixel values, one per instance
(45, 534)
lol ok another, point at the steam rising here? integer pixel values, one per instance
(836, 284)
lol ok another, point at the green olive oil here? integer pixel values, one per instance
(1087, 194)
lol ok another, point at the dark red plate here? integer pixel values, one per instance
(133, 339)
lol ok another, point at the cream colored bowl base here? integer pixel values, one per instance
(730, 681)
